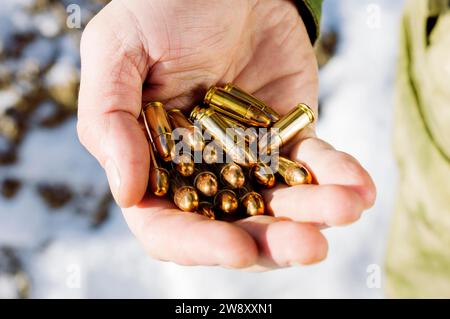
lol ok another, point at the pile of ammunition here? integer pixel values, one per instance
(220, 179)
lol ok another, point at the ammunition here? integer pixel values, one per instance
(159, 179)
(226, 200)
(286, 128)
(212, 153)
(185, 196)
(239, 93)
(292, 172)
(231, 174)
(192, 135)
(241, 130)
(184, 164)
(206, 182)
(217, 127)
(160, 130)
(206, 209)
(251, 201)
(236, 108)
(263, 175)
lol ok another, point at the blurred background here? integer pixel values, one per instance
(61, 235)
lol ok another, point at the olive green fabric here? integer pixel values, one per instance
(311, 11)
(418, 258)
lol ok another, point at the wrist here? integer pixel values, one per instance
(310, 12)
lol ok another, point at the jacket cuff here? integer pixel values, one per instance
(310, 11)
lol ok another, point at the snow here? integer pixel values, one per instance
(66, 257)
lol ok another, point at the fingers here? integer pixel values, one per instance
(333, 167)
(332, 205)
(285, 243)
(113, 65)
(189, 239)
(343, 192)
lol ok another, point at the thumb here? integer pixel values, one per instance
(109, 104)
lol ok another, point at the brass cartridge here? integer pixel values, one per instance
(249, 134)
(238, 151)
(239, 93)
(184, 164)
(286, 128)
(192, 135)
(185, 196)
(231, 175)
(159, 179)
(206, 209)
(251, 201)
(236, 108)
(206, 182)
(226, 200)
(160, 129)
(293, 173)
(263, 175)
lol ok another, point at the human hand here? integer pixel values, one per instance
(171, 51)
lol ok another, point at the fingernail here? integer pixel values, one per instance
(113, 175)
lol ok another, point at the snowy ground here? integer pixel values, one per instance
(55, 246)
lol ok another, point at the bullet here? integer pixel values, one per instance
(226, 200)
(185, 196)
(160, 129)
(159, 179)
(286, 128)
(251, 201)
(293, 173)
(263, 175)
(249, 134)
(236, 108)
(192, 135)
(231, 175)
(239, 93)
(212, 153)
(206, 182)
(206, 209)
(211, 121)
(184, 164)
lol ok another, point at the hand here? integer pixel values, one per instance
(171, 51)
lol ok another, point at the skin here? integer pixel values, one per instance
(171, 51)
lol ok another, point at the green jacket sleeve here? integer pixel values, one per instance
(310, 10)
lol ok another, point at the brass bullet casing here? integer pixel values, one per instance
(287, 128)
(160, 129)
(241, 129)
(159, 178)
(217, 127)
(206, 183)
(263, 175)
(184, 164)
(192, 135)
(239, 93)
(185, 196)
(236, 108)
(251, 201)
(293, 173)
(206, 209)
(231, 175)
(226, 200)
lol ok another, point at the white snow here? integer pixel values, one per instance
(68, 259)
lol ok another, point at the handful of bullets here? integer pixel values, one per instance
(214, 162)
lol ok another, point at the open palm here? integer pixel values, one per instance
(172, 51)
